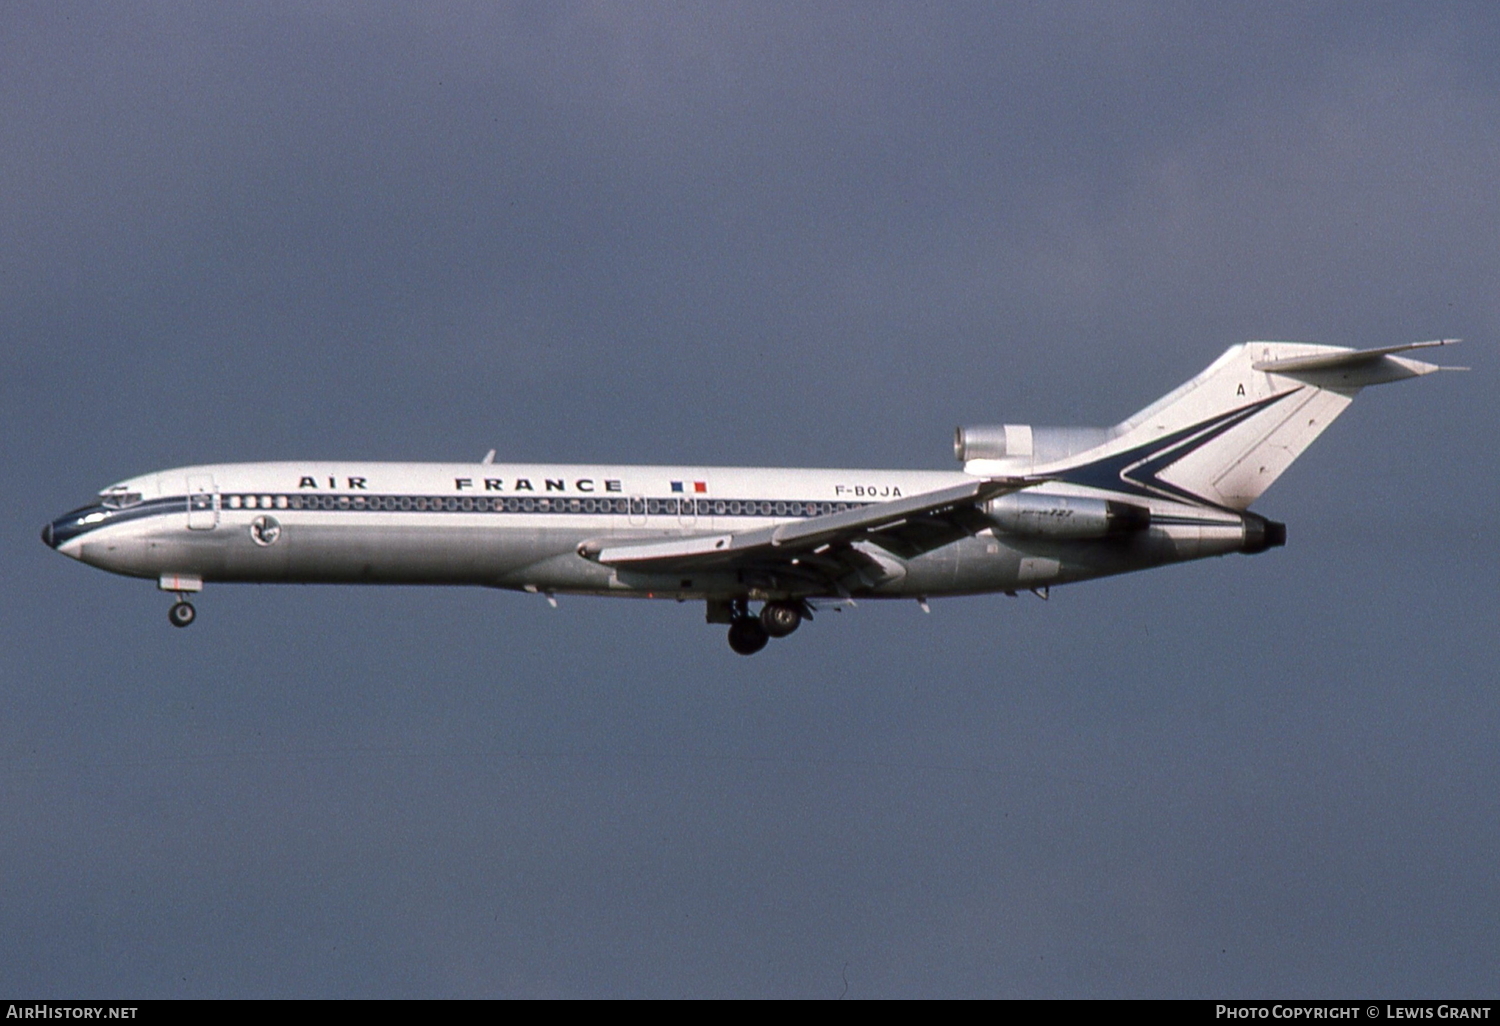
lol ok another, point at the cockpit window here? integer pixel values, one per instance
(119, 499)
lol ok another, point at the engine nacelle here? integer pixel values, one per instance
(1062, 516)
(1022, 441)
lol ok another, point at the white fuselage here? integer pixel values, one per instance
(521, 526)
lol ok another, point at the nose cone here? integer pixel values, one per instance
(66, 533)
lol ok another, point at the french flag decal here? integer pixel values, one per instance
(699, 487)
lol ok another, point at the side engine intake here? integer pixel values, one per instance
(1024, 442)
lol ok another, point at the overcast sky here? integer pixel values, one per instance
(758, 234)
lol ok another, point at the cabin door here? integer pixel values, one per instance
(203, 502)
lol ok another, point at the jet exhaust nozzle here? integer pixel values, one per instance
(1262, 534)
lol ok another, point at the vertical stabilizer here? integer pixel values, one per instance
(1225, 436)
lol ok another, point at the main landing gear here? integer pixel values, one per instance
(182, 613)
(748, 633)
(747, 636)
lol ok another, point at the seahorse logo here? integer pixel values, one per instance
(265, 530)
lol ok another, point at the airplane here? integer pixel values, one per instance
(1032, 508)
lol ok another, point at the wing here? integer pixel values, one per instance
(818, 551)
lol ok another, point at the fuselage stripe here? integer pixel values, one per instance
(91, 518)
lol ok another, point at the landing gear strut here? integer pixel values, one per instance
(182, 613)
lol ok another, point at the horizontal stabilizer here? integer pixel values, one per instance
(1358, 359)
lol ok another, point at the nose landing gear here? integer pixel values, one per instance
(182, 585)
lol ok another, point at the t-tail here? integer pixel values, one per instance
(1220, 439)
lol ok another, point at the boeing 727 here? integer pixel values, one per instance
(1033, 507)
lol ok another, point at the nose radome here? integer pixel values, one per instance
(47, 535)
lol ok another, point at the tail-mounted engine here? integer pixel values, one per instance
(1024, 442)
(1066, 517)
(1262, 534)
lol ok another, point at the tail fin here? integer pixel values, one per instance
(1226, 435)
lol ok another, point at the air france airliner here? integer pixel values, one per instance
(1032, 507)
